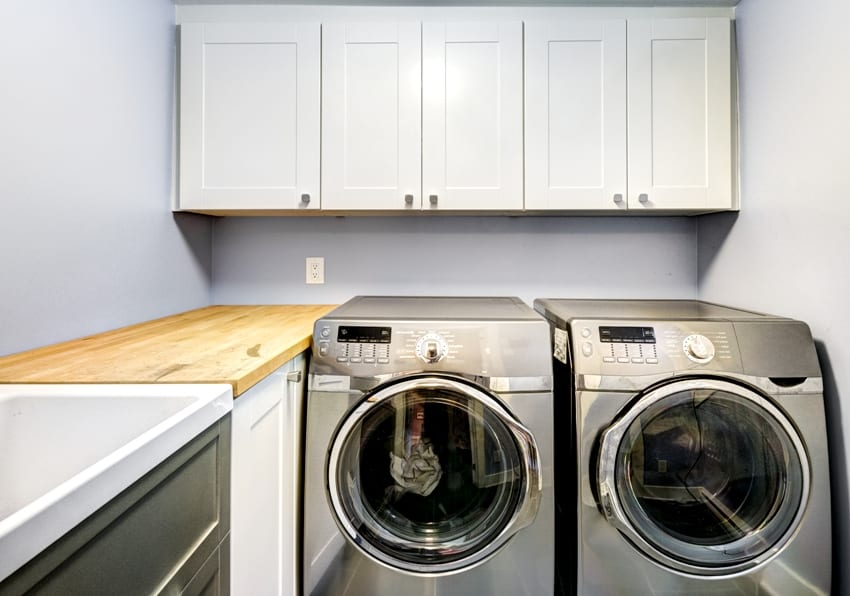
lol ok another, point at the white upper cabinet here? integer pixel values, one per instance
(665, 118)
(680, 131)
(372, 118)
(422, 116)
(472, 116)
(575, 115)
(249, 116)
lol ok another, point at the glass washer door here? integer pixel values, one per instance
(705, 476)
(432, 474)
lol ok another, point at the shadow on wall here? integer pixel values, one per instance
(712, 232)
(196, 231)
(838, 477)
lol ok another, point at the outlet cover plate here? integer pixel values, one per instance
(315, 273)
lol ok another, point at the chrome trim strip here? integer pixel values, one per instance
(633, 384)
(331, 383)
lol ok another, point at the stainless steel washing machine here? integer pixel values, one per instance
(428, 450)
(699, 446)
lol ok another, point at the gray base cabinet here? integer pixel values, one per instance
(166, 534)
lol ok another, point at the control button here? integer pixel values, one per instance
(623, 360)
(356, 360)
(652, 360)
(383, 360)
(326, 331)
(369, 360)
(585, 332)
(587, 348)
(323, 348)
(341, 359)
(608, 359)
(637, 360)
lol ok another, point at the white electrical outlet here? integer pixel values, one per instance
(315, 270)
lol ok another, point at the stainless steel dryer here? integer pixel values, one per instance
(428, 450)
(700, 449)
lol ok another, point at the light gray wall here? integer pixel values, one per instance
(87, 238)
(261, 260)
(787, 251)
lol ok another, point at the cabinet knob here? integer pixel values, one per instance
(432, 199)
(294, 376)
(643, 197)
(408, 199)
(305, 198)
(618, 198)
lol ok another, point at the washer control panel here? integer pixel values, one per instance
(647, 347)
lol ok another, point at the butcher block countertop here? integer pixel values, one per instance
(239, 345)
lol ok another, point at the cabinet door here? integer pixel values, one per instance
(472, 116)
(265, 465)
(575, 115)
(680, 143)
(371, 116)
(293, 439)
(249, 116)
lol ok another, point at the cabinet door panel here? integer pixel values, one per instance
(575, 113)
(293, 440)
(259, 532)
(472, 115)
(249, 116)
(371, 116)
(680, 143)
(266, 468)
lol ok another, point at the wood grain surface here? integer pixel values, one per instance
(239, 345)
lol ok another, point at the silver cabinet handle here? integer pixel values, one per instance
(643, 197)
(618, 198)
(294, 376)
(408, 199)
(305, 198)
(433, 199)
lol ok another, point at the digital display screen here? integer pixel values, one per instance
(627, 335)
(366, 335)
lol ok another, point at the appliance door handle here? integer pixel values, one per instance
(534, 482)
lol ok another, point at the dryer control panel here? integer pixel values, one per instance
(606, 347)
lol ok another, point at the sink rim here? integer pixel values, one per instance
(36, 525)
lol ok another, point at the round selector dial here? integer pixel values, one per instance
(698, 348)
(431, 347)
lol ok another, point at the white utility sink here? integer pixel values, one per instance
(66, 450)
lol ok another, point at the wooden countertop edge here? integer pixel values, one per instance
(250, 379)
(182, 348)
